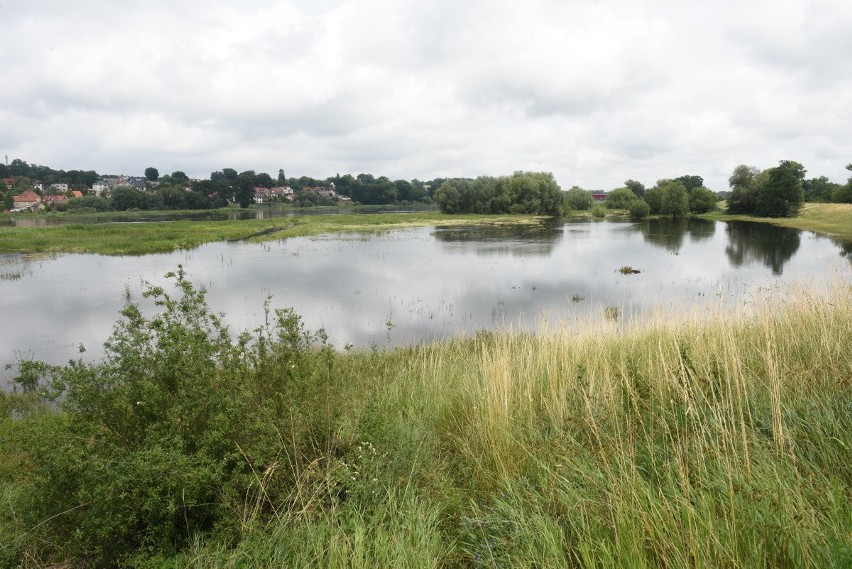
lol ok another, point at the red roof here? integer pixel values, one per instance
(77, 193)
(27, 196)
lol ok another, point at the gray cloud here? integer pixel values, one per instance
(596, 92)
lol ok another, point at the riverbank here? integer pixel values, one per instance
(830, 219)
(162, 237)
(723, 439)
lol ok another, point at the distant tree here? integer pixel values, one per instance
(639, 209)
(637, 188)
(152, 174)
(818, 190)
(668, 197)
(264, 180)
(126, 197)
(702, 200)
(522, 192)
(781, 195)
(96, 203)
(843, 194)
(179, 177)
(578, 199)
(743, 183)
(690, 182)
(451, 196)
(244, 188)
(620, 198)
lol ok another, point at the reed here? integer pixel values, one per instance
(719, 438)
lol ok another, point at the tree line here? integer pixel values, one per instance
(223, 187)
(774, 192)
(778, 191)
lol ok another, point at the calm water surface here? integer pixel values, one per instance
(419, 284)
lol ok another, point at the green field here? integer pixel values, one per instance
(714, 440)
(832, 219)
(160, 237)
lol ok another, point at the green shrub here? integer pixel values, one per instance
(622, 198)
(175, 430)
(639, 210)
(599, 211)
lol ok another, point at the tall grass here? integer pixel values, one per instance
(674, 442)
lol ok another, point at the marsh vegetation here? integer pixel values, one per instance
(722, 439)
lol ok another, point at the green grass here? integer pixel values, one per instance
(715, 440)
(827, 218)
(159, 237)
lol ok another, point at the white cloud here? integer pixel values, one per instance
(596, 92)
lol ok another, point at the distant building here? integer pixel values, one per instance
(268, 194)
(320, 191)
(599, 196)
(100, 187)
(9, 182)
(58, 199)
(59, 187)
(27, 200)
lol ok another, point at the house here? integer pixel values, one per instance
(27, 200)
(77, 193)
(58, 199)
(59, 187)
(278, 193)
(599, 196)
(136, 182)
(320, 191)
(9, 182)
(100, 187)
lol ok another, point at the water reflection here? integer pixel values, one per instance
(670, 233)
(761, 243)
(416, 285)
(519, 241)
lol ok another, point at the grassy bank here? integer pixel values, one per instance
(830, 219)
(705, 442)
(159, 237)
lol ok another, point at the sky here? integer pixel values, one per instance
(594, 91)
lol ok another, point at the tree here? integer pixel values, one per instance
(702, 200)
(620, 198)
(152, 174)
(637, 188)
(126, 197)
(668, 197)
(781, 195)
(639, 209)
(578, 199)
(179, 177)
(449, 195)
(818, 189)
(690, 182)
(743, 184)
(244, 188)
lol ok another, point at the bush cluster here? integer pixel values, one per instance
(173, 432)
(522, 192)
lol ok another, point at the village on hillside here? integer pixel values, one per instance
(40, 196)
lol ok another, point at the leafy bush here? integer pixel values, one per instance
(175, 430)
(639, 210)
(599, 211)
(702, 200)
(622, 198)
(578, 199)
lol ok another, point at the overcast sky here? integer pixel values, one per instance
(594, 91)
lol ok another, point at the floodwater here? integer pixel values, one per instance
(416, 285)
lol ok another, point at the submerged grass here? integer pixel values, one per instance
(679, 442)
(160, 237)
